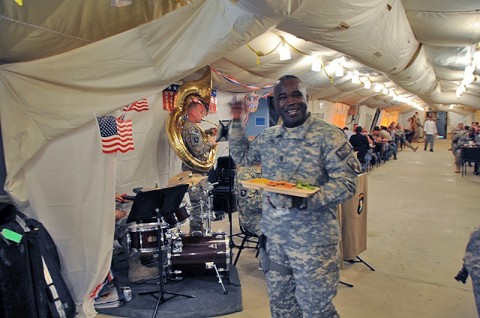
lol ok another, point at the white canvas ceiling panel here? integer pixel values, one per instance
(446, 28)
(364, 32)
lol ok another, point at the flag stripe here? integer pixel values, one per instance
(138, 106)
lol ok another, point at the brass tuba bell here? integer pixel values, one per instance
(200, 89)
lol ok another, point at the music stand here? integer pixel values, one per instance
(223, 132)
(157, 203)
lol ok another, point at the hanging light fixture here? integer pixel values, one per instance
(356, 77)
(284, 51)
(468, 76)
(460, 90)
(476, 58)
(367, 84)
(339, 70)
(120, 3)
(316, 63)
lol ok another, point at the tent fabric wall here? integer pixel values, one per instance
(153, 160)
(389, 117)
(47, 98)
(365, 116)
(71, 186)
(67, 183)
(338, 115)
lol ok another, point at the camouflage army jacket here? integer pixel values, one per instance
(317, 153)
(249, 201)
(193, 139)
(472, 251)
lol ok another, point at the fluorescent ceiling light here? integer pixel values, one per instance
(356, 77)
(284, 52)
(120, 3)
(316, 63)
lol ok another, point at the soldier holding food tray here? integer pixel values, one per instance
(299, 251)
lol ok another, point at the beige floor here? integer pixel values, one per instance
(420, 215)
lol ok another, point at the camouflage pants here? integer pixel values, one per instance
(197, 199)
(309, 290)
(474, 272)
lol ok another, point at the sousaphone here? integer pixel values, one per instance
(200, 89)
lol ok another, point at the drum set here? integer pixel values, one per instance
(184, 255)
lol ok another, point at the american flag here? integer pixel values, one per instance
(169, 94)
(99, 290)
(138, 106)
(116, 134)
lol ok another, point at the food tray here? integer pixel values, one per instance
(303, 193)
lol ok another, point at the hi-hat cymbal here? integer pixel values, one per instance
(186, 177)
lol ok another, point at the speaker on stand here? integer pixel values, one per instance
(224, 200)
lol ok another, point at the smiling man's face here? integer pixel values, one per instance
(291, 101)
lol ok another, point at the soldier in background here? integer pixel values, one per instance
(199, 148)
(137, 272)
(471, 265)
(300, 245)
(249, 201)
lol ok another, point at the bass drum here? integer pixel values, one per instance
(195, 255)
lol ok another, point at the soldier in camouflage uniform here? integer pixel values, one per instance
(471, 264)
(249, 201)
(199, 148)
(301, 250)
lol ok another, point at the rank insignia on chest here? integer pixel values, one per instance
(344, 151)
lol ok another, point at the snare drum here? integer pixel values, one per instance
(190, 255)
(179, 217)
(143, 237)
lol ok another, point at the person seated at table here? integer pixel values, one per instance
(347, 132)
(380, 143)
(400, 136)
(371, 151)
(362, 146)
(465, 139)
(386, 138)
(137, 272)
(460, 129)
(392, 145)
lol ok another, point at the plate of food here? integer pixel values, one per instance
(298, 189)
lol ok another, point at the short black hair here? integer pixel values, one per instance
(359, 129)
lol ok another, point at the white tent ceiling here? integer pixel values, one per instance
(417, 48)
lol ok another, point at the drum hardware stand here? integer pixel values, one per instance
(207, 218)
(161, 290)
(148, 205)
(210, 265)
(346, 284)
(359, 260)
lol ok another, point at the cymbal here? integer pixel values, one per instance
(181, 176)
(186, 177)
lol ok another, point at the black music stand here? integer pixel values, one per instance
(223, 132)
(157, 203)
